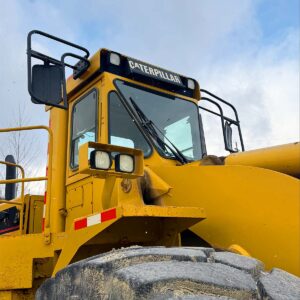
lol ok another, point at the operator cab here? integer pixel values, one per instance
(160, 114)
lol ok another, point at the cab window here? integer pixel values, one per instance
(84, 124)
(122, 130)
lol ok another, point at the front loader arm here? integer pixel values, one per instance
(247, 208)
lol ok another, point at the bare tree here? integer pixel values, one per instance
(24, 147)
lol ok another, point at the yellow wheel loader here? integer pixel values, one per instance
(134, 207)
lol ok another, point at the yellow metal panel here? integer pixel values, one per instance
(58, 124)
(163, 211)
(35, 214)
(254, 208)
(98, 185)
(6, 295)
(17, 255)
(283, 158)
(79, 201)
(75, 197)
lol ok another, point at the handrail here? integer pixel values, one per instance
(221, 100)
(235, 122)
(222, 118)
(216, 114)
(10, 202)
(30, 179)
(49, 175)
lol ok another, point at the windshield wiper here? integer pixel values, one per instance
(150, 126)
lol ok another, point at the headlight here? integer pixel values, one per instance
(124, 163)
(191, 84)
(114, 59)
(100, 160)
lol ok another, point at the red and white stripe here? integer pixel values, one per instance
(106, 215)
(44, 211)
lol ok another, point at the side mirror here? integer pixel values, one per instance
(47, 85)
(228, 137)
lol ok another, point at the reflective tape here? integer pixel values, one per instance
(44, 210)
(95, 219)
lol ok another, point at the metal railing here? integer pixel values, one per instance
(235, 122)
(22, 180)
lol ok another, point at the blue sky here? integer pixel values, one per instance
(244, 50)
(276, 16)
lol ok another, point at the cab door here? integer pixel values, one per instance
(84, 123)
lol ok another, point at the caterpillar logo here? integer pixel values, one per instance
(154, 72)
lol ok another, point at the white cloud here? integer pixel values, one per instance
(171, 34)
(265, 90)
(217, 42)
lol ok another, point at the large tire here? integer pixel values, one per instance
(169, 273)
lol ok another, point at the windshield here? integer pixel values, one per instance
(176, 119)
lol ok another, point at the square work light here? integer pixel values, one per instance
(191, 84)
(100, 160)
(114, 59)
(124, 163)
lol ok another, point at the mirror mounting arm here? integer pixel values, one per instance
(222, 122)
(79, 68)
(226, 122)
(52, 73)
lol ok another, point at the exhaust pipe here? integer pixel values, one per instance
(11, 173)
